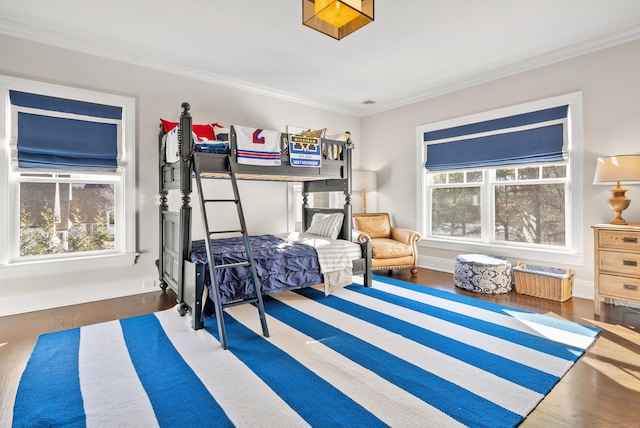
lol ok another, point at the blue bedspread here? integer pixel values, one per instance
(280, 266)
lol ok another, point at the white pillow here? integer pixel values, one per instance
(338, 137)
(327, 225)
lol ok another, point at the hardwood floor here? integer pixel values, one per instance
(601, 390)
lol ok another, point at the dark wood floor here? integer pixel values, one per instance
(601, 390)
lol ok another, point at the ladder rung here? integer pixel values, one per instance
(231, 265)
(221, 200)
(211, 232)
(240, 302)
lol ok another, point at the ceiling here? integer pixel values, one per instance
(415, 49)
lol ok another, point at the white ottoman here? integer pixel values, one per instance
(482, 274)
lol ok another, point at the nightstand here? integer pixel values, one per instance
(616, 263)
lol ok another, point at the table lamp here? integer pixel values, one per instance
(363, 181)
(614, 170)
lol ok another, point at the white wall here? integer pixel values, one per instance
(609, 81)
(385, 142)
(158, 94)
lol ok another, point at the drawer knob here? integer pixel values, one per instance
(630, 263)
(630, 240)
(630, 287)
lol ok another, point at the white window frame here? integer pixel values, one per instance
(573, 252)
(294, 210)
(11, 265)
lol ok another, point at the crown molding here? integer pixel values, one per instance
(64, 41)
(60, 40)
(506, 70)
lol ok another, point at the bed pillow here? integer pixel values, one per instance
(202, 132)
(327, 225)
(314, 133)
(338, 137)
(221, 133)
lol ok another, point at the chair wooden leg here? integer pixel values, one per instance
(414, 271)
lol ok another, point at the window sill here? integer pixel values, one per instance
(67, 265)
(516, 253)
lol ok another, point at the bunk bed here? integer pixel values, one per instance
(182, 263)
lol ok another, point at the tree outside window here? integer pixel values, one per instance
(66, 217)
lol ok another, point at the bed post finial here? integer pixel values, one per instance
(349, 144)
(185, 108)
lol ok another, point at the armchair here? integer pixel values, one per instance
(392, 247)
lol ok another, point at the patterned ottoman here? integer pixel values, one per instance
(482, 273)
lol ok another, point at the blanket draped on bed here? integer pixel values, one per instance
(334, 256)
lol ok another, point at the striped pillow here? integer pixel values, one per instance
(327, 225)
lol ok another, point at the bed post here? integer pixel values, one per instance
(348, 213)
(161, 209)
(367, 276)
(305, 206)
(185, 147)
(348, 209)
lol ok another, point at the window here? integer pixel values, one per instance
(315, 200)
(529, 204)
(502, 182)
(68, 171)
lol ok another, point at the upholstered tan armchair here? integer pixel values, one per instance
(392, 247)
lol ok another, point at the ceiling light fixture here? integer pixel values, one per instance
(337, 18)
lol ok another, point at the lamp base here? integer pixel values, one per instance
(364, 201)
(618, 203)
(618, 219)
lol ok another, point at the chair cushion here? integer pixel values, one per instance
(383, 248)
(376, 226)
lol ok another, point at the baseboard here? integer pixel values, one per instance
(37, 300)
(581, 288)
(434, 263)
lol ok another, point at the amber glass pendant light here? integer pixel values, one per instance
(337, 18)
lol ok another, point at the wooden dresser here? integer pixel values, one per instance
(616, 263)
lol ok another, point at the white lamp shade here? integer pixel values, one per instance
(364, 180)
(614, 169)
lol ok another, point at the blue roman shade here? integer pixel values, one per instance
(57, 133)
(538, 136)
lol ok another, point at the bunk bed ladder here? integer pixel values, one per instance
(219, 306)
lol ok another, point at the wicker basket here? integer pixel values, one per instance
(544, 282)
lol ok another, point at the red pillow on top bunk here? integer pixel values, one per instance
(221, 133)
(203, 132)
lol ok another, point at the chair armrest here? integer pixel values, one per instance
(405, 236)
(358, 236)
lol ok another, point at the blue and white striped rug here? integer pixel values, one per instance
(397, 354)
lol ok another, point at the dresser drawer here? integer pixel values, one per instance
(619, 239)
(619, 286)
(620, 263)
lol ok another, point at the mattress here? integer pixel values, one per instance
(283, 262)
